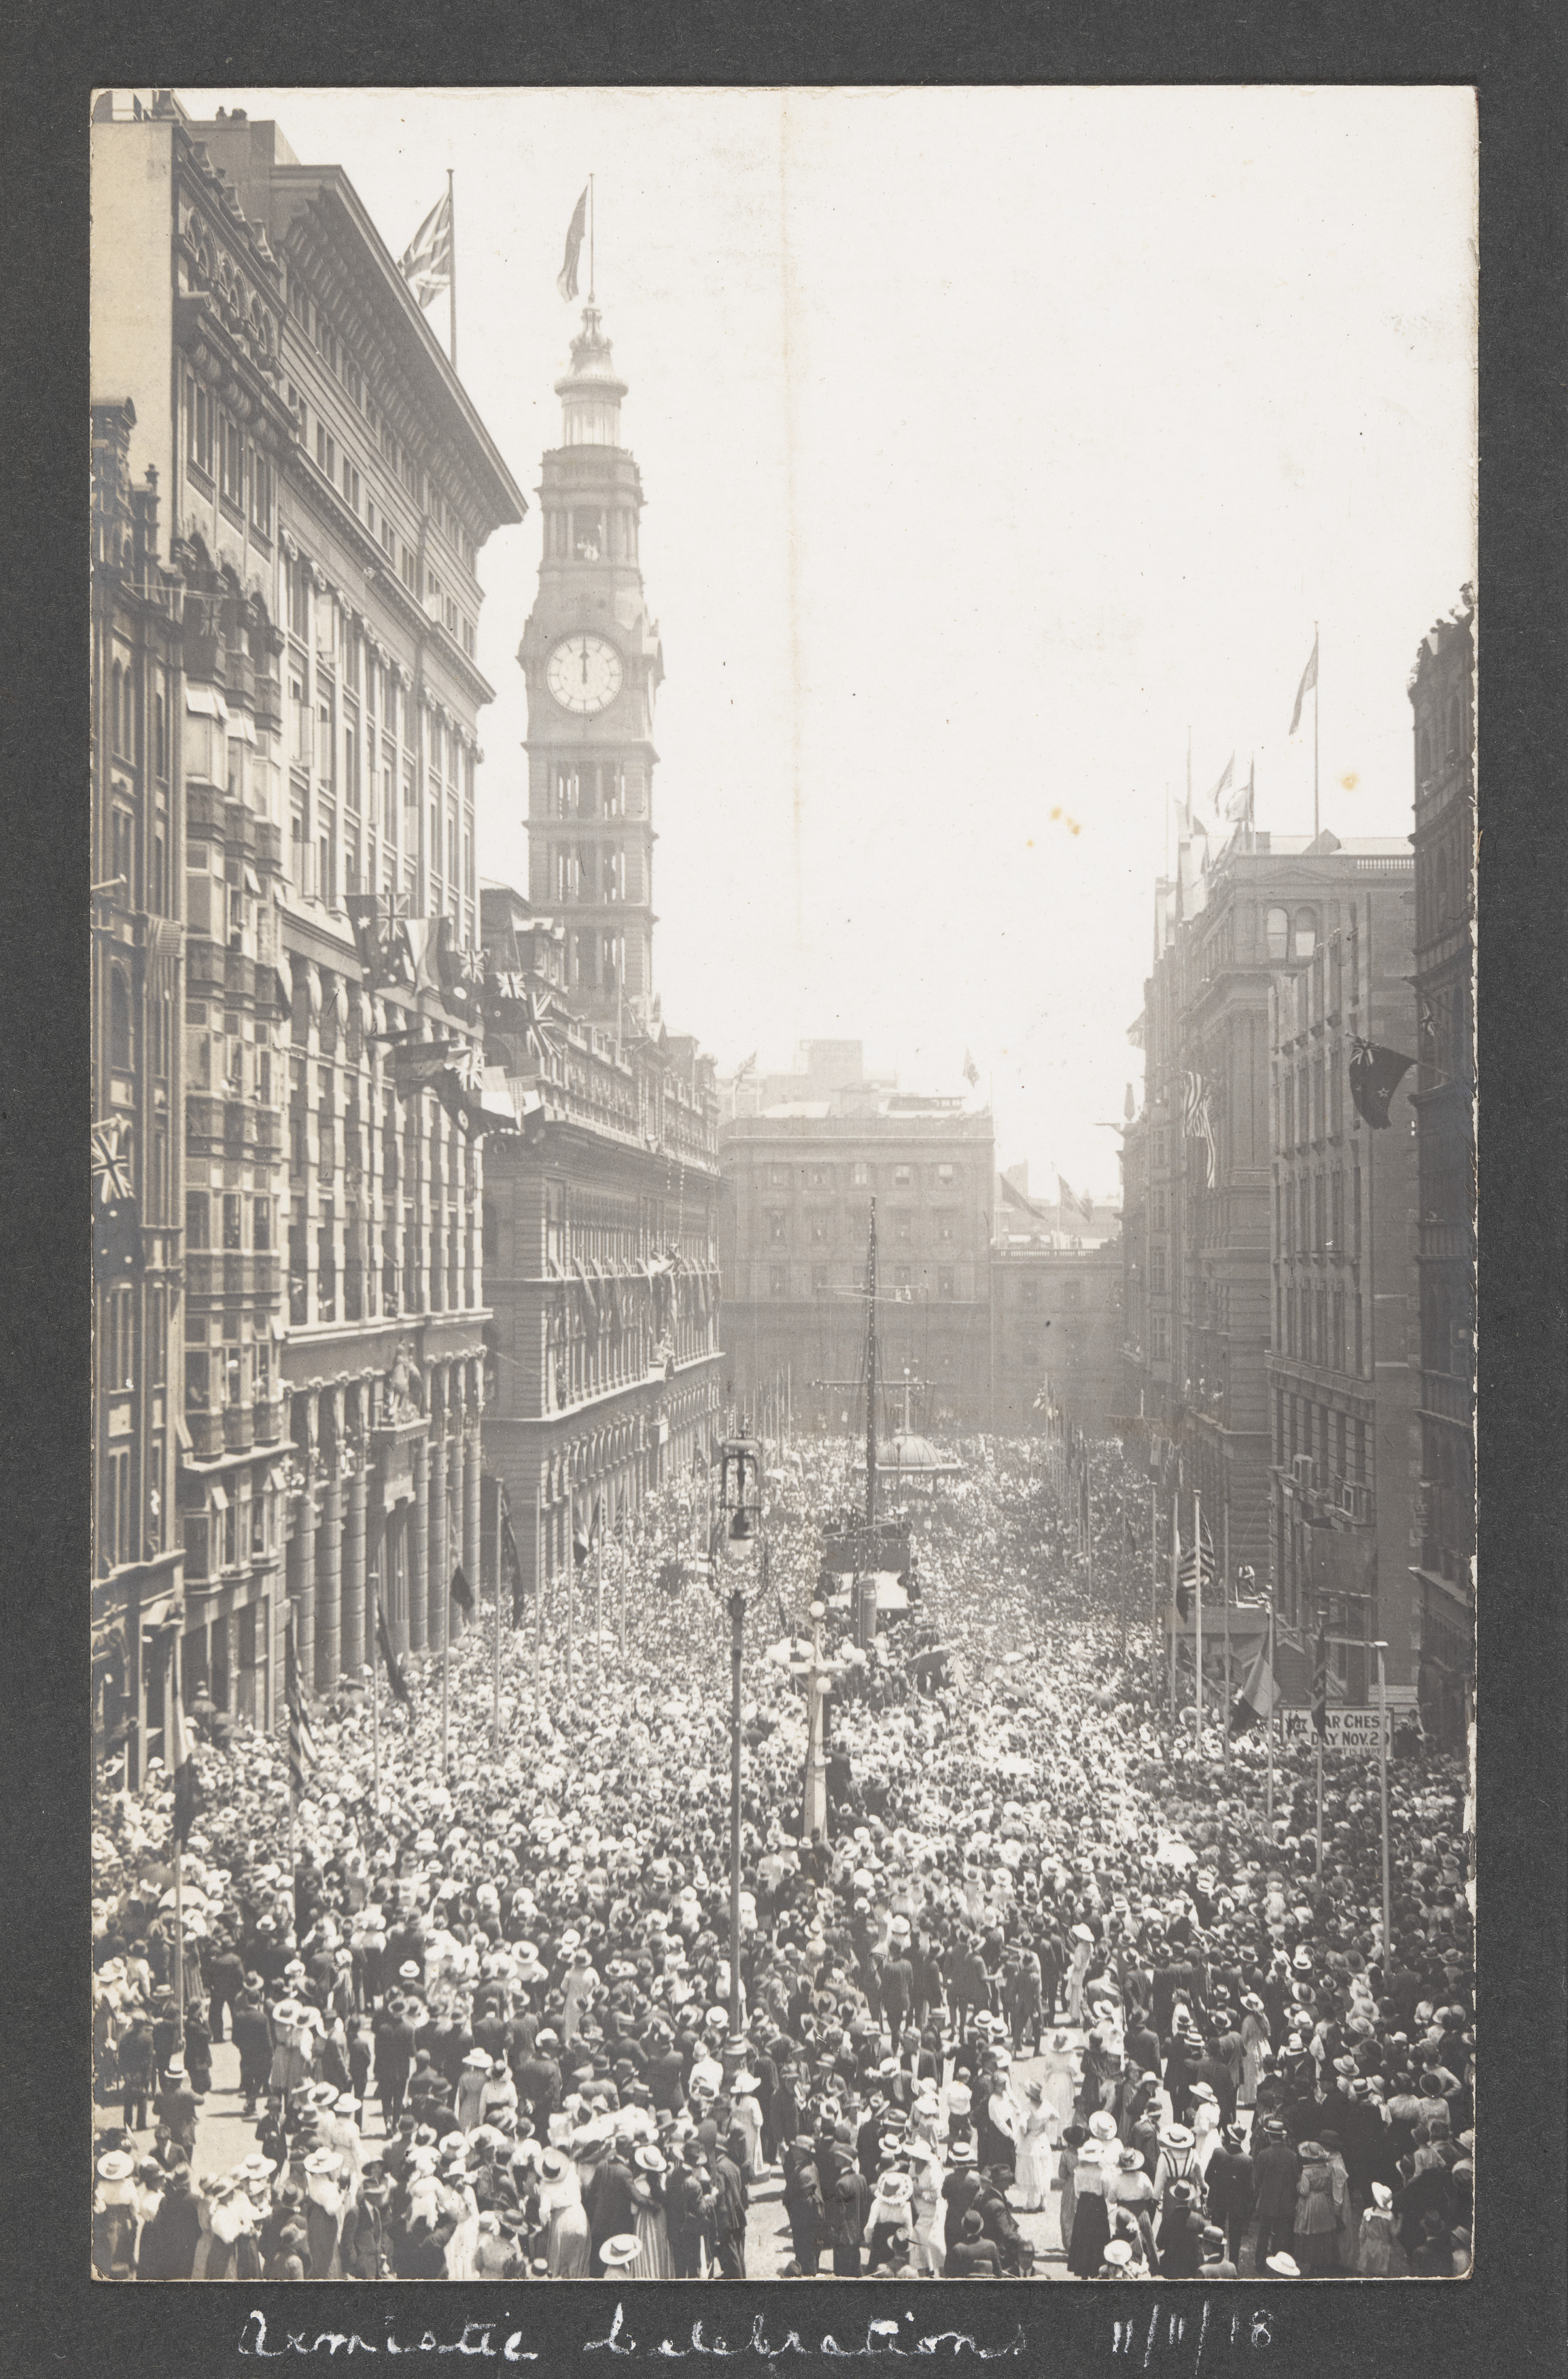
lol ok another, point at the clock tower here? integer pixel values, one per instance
(591, 656)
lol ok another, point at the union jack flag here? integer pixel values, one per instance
(111, 1141)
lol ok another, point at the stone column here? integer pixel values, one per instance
(418, 1565)
(351, 1651)
(329, 1584)
(300, 1569)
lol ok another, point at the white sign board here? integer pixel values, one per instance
(1348, 1730)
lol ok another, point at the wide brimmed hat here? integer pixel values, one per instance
(623, 2248)
(1118, 2252)
(1174, 2135)
(895, 2189)
(118, 2165)
(1283, 2266)
(477, 2057)
(960, 2152)
(1103, 2126)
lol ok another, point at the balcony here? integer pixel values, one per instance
(239, 1428)
(204, 807)
(269, 1421)
(239, 975)
(204, 1119)
(203, 968)
(206, 1435)
(268, 704)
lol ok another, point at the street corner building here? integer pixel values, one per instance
(600, 1223)
(291, 492)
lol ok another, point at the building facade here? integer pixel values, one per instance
(1339, 1365)
(1444, 839)
(1198, 1263)
(329, 487)
(798, 1186)
(138, 1103)
(590, 653)
(1056, 1316)
(601, 1251)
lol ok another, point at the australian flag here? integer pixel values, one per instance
(1375, 1075)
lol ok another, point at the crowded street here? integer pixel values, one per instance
(1051, 1998)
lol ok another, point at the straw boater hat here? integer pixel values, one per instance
(1174, 2135)
(1103, 2126)
(618, 2252)
(116, 2166)
(1119, 2252)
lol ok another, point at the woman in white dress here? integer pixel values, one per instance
(927, 2224)
(747, 2116)
(1061, 2081)
(1036, 2160)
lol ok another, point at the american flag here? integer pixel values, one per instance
(301, 1740)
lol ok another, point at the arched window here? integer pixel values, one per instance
(120, 1037)
(1306, 939)
(1276, 926)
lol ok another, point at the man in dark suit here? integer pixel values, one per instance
(1231, 2191)
(844, 2212)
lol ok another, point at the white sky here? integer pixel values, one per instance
(991, 440)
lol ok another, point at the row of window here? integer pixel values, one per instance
(1321, 1326)
(862, 1175)
(591, 533)
(219, 453)
(608, 789)
(823, 1227)
(1310, 1215)
(903, 1281)
(334, 352)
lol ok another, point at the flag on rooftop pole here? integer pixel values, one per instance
(426, 262)
(1071, 1203)
(566, 279)
(972, 1072)
(1309, 680)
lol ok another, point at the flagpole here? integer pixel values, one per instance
(1224, 1588)
(625, 1557)
(1154, 1571)
(1317, 673)
(591, 230)
(451, 268)
(1268, 1723)
(599, 1602)
(541, 1564)
(374, 1582)
(1321, 1728)
(495, 1704)
(1176, 1605)
(179, 1851)
(1197, 1611)
(1382, 1794)
(446, 1677)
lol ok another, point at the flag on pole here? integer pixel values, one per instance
(1257, 1695)
(1320, 1683)
(972, 1072)
(1013, 1196)
(461, 1591)
(566, 279)
(1227, 779)
(1196, 1562)
(1375, 1075)
(301, 1740)
(394, 1668)
(1309, 680)
(426, 262)
(181, 1764)
(1239, 807)
(1071, 1203)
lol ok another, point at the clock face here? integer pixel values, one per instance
(584, 674)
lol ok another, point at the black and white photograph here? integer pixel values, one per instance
(783, 935)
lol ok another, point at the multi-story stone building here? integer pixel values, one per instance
(799, 1180)
(1205, 1304)
(1055, 1315)
(138, 1100)
(329, 485)
(601, 1251)
(1340, 1377)
(1444, 839)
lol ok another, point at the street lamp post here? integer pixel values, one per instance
(1379, 1649)
(737, 1640)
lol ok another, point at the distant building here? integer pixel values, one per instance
(799, 1180)
(1444, 839)
(1055, 1316)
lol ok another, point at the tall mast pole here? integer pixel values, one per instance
(451, 268)
(591, 271)
(1317, 673)
(871, 1375)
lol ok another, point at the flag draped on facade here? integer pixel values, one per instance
(566, 279)
(301, 1740)
(426, 262)
(1308, 681)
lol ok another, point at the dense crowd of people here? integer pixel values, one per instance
(1049, 1951)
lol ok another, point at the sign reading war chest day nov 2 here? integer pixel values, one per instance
(1348, 1730)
